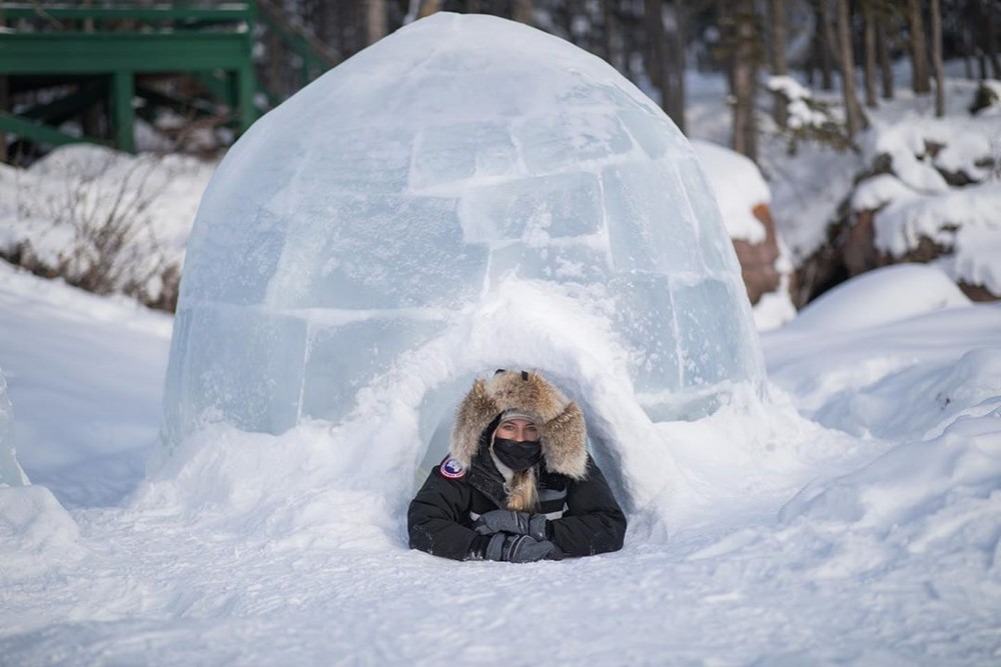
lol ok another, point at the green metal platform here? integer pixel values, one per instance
(97, 53)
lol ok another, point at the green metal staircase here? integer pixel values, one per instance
(105, 58)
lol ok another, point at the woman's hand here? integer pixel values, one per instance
(509, 521)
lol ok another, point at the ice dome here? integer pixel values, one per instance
(466, 194)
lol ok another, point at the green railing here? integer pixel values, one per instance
(113, 42)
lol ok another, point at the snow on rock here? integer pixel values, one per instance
(880, 296)
(466, 194)
(765, 261)
(941, 192)
(951, 220)
(739, 188)
(11, 473)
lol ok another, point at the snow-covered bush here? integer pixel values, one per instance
(102, 220)
(807, 118)
(987, 98)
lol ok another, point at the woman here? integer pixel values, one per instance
(518, 484)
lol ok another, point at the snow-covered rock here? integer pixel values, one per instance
(743, 197)
(938, 201)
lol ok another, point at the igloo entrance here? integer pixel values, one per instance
(468, 193)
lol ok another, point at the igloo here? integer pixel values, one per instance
(466, 194)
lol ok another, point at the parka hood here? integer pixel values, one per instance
(559, 420)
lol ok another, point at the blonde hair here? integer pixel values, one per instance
(522, 495)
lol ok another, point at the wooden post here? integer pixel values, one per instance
(123, 115)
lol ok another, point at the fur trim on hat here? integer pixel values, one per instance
(560, 421)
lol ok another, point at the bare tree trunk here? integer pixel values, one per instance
(523, 12)
(375, 20)
(853, 111)
(826, 28)
(920, 81)
(779, 65)
(936, 57)
(870, 54)
(608, 35)
(992, 39)
(743, 79)
(677, 52)
(660, 66)
(885, 70)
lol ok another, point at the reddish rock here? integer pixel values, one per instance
(757, 260)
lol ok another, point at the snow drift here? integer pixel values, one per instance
(11, 473)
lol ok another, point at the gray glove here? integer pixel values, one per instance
(509, 521)
(517, 548)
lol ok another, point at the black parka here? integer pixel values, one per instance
(441, 515)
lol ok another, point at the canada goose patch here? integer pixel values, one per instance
(452, 468)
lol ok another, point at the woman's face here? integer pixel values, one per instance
(519, 430)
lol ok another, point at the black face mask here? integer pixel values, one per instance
(516, 455)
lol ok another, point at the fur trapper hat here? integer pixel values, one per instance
(559, 420)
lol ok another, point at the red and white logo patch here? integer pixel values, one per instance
(452, 468)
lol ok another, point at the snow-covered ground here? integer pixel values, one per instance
(855, 519)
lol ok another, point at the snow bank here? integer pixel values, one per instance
(85, 376)
(921, 400)
(942, 493)
(738, 186)
(880, 296)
